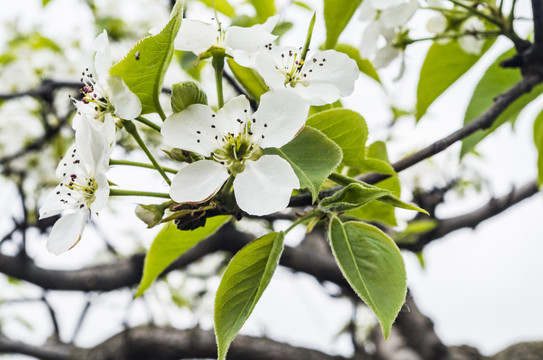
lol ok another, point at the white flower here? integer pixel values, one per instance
(105, 97)
(83, 190)
(470, 43)
(321, 79)
(242, 43)
(387, 17)
(231, 140)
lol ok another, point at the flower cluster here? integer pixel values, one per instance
(84, 188)
(226, 146)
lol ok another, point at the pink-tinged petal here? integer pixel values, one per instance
(127, 104)
(198, 182)
(66, 232)
(280, 116)
(196, 36)
(332, 67)
(265, 185)
(234, 115)
(197, 129)
(102, 58)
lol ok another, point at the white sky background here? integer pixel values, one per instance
(481, 288)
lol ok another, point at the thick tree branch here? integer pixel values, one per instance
(483, 122)
(537, 10)
(471, 219)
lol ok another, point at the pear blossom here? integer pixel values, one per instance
(84, 188)
(386, 18)
(470, 43)
(320, 79)
(241, 43)
(106, 97)
(231, 141)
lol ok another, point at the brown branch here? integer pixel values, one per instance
(471, 219)
(483, 122)
(537, 10)
(44, 352)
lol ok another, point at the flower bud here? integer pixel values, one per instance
(150, 214)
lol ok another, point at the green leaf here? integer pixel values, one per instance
(171, 243)
(337, 14)
(303, 5)
(264, 8)
(364, 65)
(242, 284)
(495, 81)
(313, 157)
(144, 67)
(443, 65)
(372, 264)
(249, 79)
(346, 128)
(538, 141)
(351, 197)
(222, 6)
(185, 94)
(414, 230)
(376, 155)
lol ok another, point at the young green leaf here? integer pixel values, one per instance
(372, 264)
(538, 140)
(346, 128)
(351, 197)
(337, 14)
(171, 243)
(249, 79)
(495, 81)
(443, 65)
(364, 65)
(185, 94)
(313, 157)
(222, 6)
(242, 284)
(144, 67)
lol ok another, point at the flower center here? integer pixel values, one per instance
(95, 100)
(79, 186)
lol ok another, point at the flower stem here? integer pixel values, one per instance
(140, 164)
(306, 217)
(478, 13)
(457, 35)
(149, 123)
(308, 38)
(218, 65)
(118, 192)
(132, 130)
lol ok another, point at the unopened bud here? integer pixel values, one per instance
(150, 214)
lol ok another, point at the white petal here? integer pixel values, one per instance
(101, 194)
(92, 146)
(280, 116)
(318, 93)
(194, 129)
(385, 4)
(235, 110)
(66, 232)
(265, 185)
(368, 46)
(102, 58)
(198, 182)
(332, 67)
(400, 14)
(127, 104)
(273, 64)
(367, 11)
(242, 43)
(52, 204)
(196, 35)
(471, 44)
(386, 55)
